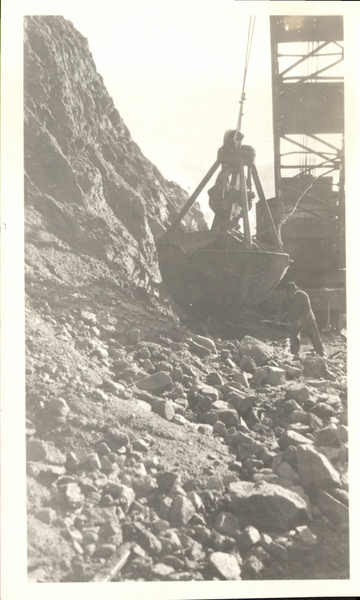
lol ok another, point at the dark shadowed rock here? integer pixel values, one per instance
(248, 364)
(227, 524)
(252, 568)
(241, 403)
(166, 480)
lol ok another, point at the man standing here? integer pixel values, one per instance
(297, 312)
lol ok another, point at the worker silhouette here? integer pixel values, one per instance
(296, 311)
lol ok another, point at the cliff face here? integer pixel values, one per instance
(93, 203)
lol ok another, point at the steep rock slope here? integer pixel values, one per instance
(93, 202)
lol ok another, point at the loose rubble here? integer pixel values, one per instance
(248, 518)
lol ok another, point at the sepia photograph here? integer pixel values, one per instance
(176, 248)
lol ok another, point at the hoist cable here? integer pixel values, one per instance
(247, 58)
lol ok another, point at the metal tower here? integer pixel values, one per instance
(308, 126)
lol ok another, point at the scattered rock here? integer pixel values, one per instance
(304, 534)
(253, 348)
(204, 341)
(252, 568)
(323, 410)
(315, 366)
(314, 467)
(227, 524)
(327, 437)
(181, 511)
(342, 433)
(248, 364)
(228, 417)
(336, 511)
(134, 336)
(247, 538)
(205, 390)
(164, 408)
(59, 407)
(166, 480)
(267, 506)
(269, 375)
(156, 383)
(46, 515)
(291, 371)
(241, 403)
(298, 392)
(292, 438)
(198, 349)
(37, 450)
(225, 565)
(215, 483)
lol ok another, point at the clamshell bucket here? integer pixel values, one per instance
(224, 271)
(212, 274)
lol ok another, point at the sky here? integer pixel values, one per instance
(175, 72)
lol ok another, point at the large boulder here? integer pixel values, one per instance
(204, 341)
(198, 349)
(156, 383)
(225, 565)
(314, 467)
(228, 417)
(332, 508)
(164, 408)
(292, 438)
(260, 352)
(327, 436)
(266, 506)
(205, 390)
(269, 375)
(315, 366)
(298, 392)
(181, 511)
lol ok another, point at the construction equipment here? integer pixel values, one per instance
(221, 272)
(308, 123)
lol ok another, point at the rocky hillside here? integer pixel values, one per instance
(93, 202)
(153, 453)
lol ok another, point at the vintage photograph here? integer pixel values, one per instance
(185, 168)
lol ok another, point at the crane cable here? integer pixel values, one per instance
(283, 221)
(247, 58)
